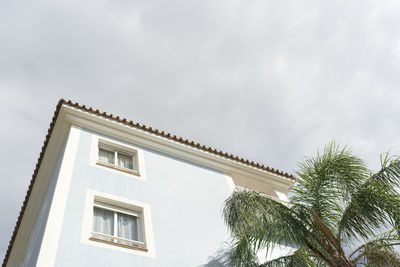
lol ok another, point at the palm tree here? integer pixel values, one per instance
(336, 204)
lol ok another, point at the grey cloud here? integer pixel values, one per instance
(269, 81)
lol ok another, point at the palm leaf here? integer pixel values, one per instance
(239, 254)
(326, 182)
(380, 258)
(374, 204)
(299, 258)
(264, 220)
(385, 242)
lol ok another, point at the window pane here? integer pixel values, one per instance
(127, 227)
(125, 161)
(106, 156)
(103, 221)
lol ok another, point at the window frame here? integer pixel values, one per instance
(122, 147)
(123, 205)
(117, 151)
(114, 238)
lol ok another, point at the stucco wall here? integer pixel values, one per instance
(185, 200)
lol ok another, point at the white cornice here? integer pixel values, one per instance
(158, 143)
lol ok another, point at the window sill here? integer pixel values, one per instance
(114, 167)
(118, 244)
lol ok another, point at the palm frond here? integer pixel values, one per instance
(326, 182)
(299, 258)
(264, 220)
(374, 204)
(386, 241)
(380, 258)
(243, 254)
(238, 254)
(390, 171)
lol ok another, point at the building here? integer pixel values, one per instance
(110, 192)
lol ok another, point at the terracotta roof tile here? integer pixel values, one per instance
(132, 124)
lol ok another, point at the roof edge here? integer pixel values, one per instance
(181, 140)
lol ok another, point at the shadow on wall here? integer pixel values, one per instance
(221, 258)
(215, 263)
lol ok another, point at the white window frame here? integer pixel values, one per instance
(117, 146)
(117, 152)
(133, 244)
(122, 205)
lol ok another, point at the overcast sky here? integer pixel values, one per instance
(270, 81)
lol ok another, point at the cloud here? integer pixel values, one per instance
(269, 81)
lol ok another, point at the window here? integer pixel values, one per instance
(117, 223)
(117, 226)
(118, 158)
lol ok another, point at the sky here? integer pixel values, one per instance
(271, 81)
